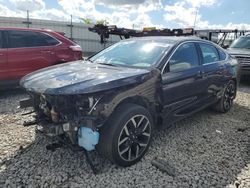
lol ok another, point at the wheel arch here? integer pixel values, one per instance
(141, 101)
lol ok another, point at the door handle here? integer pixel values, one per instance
(220, 71)
(221, 67)
(47, 52)
(200, 74)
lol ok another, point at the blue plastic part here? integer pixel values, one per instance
(87, 138)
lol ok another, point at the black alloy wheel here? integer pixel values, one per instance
(229, 95)
(226, 101)
(134, 137)
(126, 136)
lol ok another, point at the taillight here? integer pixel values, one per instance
(76, 48)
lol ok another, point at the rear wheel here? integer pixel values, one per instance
(126, 136)
(226, 101)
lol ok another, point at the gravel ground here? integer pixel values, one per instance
(206, 150)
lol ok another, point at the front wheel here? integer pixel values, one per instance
(126, 136)
(226, 101)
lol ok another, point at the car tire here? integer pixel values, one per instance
(126, 136)
(226, 101)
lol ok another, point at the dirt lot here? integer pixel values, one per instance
(206, 150)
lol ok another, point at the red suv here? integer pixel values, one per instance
(25, 50)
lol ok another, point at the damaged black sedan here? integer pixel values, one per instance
(114, 100)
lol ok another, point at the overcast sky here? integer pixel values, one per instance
(222, 14)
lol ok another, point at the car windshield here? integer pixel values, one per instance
(134, 53)
(242, 42)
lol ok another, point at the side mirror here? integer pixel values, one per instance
(225, 46)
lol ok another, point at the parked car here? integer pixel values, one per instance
(116, 98)
(240, 49)
(23, 51)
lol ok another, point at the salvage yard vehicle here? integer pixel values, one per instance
(24, 50)
(240, 49)
(115, 99)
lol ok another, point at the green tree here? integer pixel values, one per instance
(87, 20)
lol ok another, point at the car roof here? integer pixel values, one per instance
(26, 29)
(171, 39)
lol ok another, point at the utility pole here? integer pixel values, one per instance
(71, 27)
(27, 22)
(28, 19)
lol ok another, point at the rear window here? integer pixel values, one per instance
(20, 39)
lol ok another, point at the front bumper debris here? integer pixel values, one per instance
(25, 103)
(51, 130)
(87, 138)
(75, 148)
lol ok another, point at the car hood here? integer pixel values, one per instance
(239, 51)
(81, 77)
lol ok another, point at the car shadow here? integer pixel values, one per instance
(9, 100)
(244, 85)
(11, 92)
(206, 149)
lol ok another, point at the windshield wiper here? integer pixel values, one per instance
(109, 64)
(89, 60)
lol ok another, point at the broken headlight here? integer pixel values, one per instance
(44, 106)
(89, 105)
(66, 108)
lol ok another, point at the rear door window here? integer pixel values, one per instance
(185, 57)
(22, 39)
(209, 53)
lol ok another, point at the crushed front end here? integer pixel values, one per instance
(74, 101)
(72, 116)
